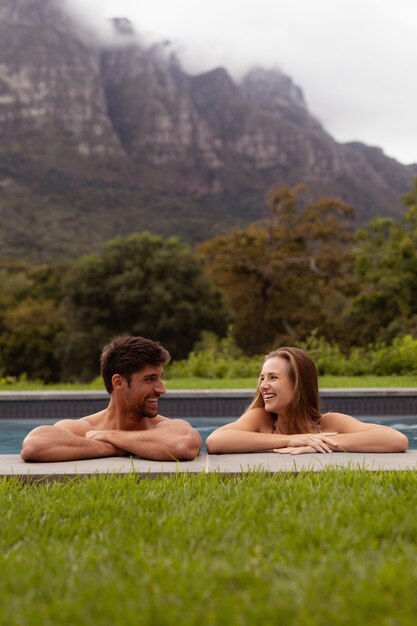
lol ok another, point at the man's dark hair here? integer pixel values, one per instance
(127, 355)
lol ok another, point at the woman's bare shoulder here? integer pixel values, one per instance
(333, 415)
(256, 420)
(341, 422)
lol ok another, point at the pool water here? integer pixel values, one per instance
(13, 431)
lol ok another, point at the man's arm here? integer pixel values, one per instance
(64, 441)
(170, 440)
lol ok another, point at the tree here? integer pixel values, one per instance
(141, 285)
(29, 340)
(287, 275)
(386, 275)
(30, 323)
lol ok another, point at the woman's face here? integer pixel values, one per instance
(275, 385)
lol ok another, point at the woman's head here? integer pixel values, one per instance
(292, 388)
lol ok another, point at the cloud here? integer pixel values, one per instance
(355, 61)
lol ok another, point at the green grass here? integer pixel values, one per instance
(367, 381)
(37, 385)
(223, 383)
(325, 382)
(335, 548)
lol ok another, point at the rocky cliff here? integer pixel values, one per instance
(100, 140)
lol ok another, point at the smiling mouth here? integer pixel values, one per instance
(152, 400)
(269, 396)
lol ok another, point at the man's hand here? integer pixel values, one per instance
(98, 435)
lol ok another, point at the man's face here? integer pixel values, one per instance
(143, 391)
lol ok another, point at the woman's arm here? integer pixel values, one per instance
(252, 433)
(356, 436)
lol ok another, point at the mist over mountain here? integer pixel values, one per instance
(103, 136)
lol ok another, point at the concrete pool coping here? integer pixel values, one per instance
(226, 464)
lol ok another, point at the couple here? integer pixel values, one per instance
(284, 416)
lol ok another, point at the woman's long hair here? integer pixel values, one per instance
(304, 409)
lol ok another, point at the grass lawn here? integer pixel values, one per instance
(223, 383)
(325, 382)
(335, 548)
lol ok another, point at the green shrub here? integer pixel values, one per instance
(212, 365)
(211, 360)
(400, 357)
(330, 360)
(327, 356)
(216, 358)
(396, 358)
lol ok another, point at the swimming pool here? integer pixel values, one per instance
(13, 431)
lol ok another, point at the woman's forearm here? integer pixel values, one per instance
(383, 439)
(240, 441)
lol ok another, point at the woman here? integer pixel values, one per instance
(284, 416)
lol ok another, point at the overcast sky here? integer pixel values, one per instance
(355, 60)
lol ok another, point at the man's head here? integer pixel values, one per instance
(128, 355)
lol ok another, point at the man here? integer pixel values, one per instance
(132, 370)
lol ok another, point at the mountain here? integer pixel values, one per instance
(103, 139)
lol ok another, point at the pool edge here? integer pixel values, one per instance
(11, 465)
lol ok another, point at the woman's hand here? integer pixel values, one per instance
(307, 443)
(299, 450)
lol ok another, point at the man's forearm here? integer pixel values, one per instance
(59, 445)
(159, 444)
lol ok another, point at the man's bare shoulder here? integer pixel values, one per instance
(158, 420)
(82, 425)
